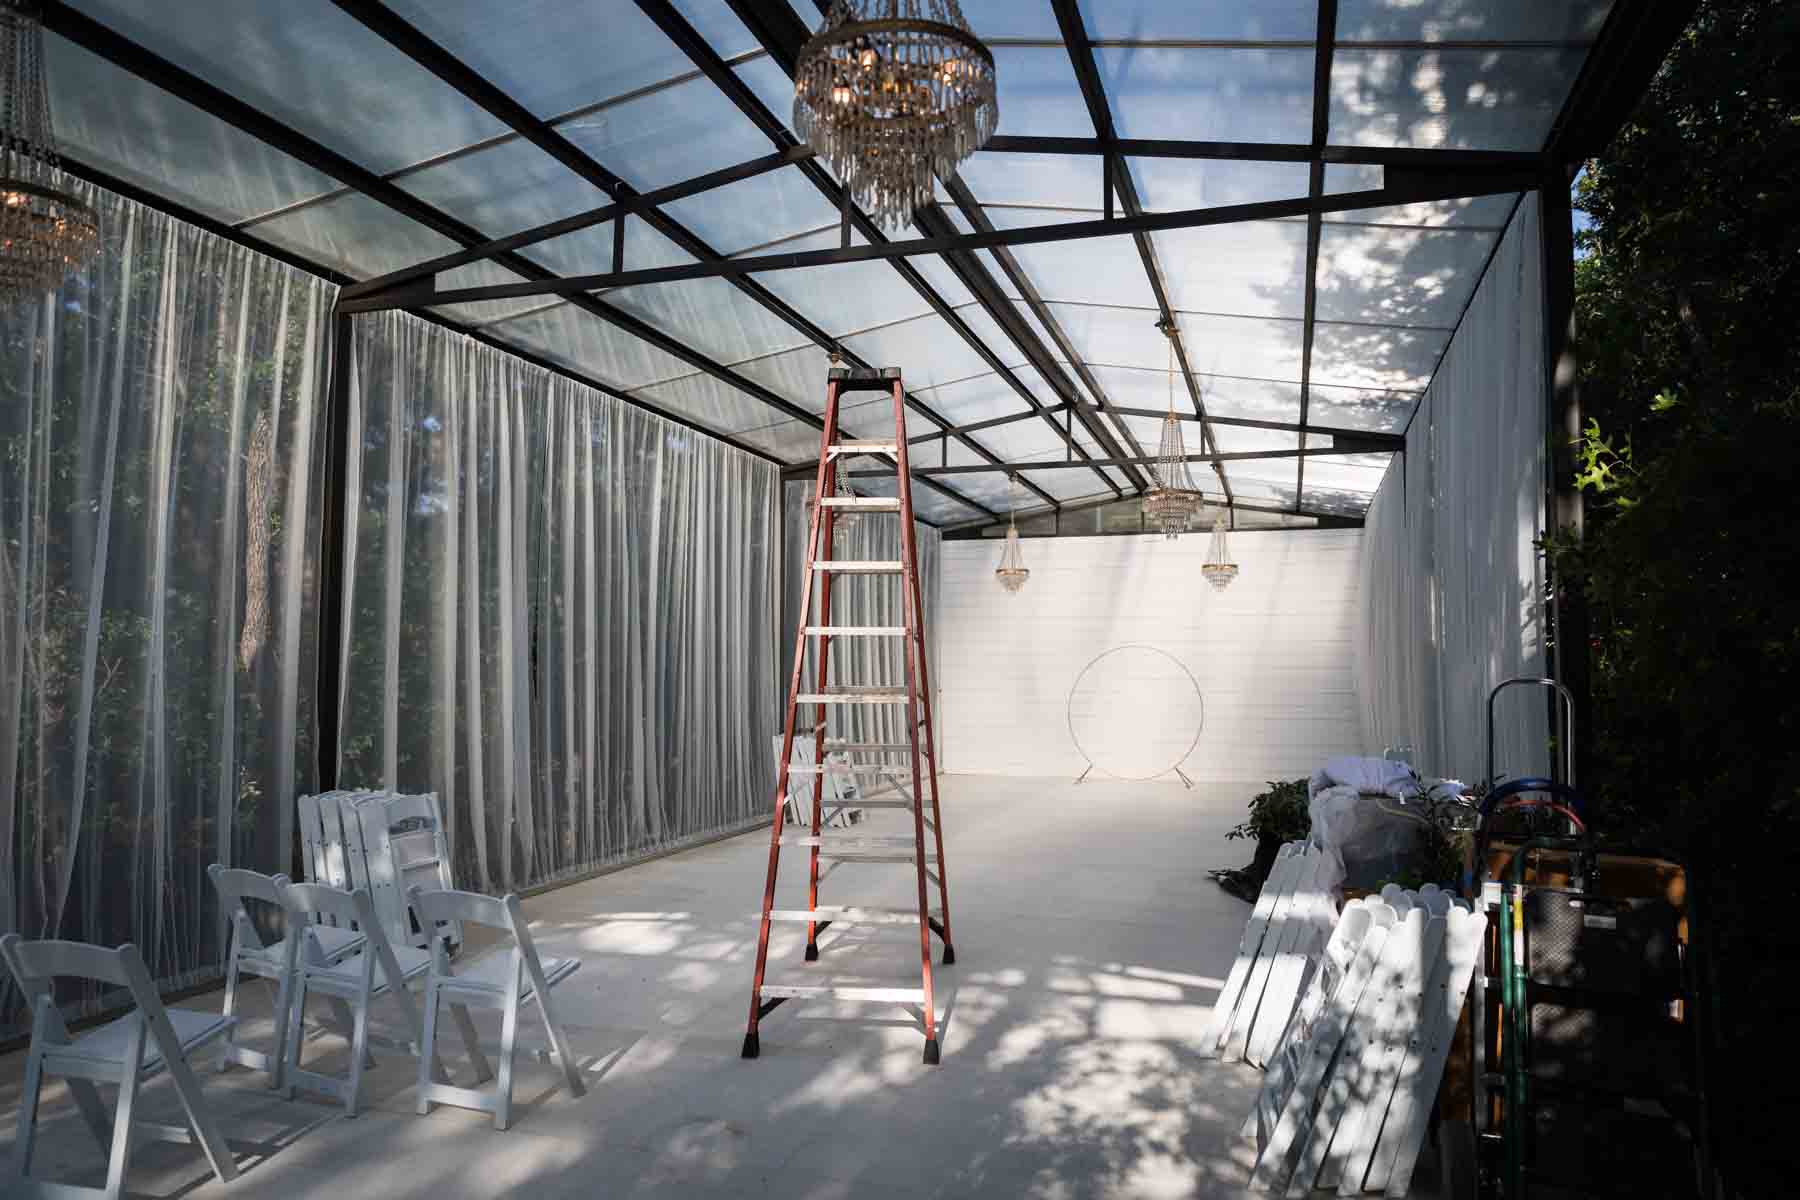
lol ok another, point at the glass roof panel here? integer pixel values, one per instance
(1069, 181)
(772, 86)
(1394, 276)
(1092, 270)
(1011, 19)
(1272, 481)
(1254, 268)
(1357, 408)
(797, 376)
(712, 402)
(1265, 349)
(790, 441)
(590, 346)
(1474, 212)
(504, 189)
(983, 397)
(844, 297)
(667, 136)
(928, 350)
(709, 315)
(1069, 483)
(1373, 356)
(1238, 95)
(1171, 20)
(938, 274)
(1459, 20)
(313, 67)
(754, 211)
(356, 235)
(714, 21)
(1257, 399)
(1237, 439)
(590, 251)
(117, 123)
(1038, 94)
(544, 53)
(1172, 184)
(1449, 98)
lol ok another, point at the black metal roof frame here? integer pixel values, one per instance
(1618, 66)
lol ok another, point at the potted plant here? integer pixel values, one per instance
(1276, 816)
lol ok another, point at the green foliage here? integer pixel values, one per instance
(1279, 813)
(1690, 380)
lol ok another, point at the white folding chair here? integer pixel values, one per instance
(375, 968)
(128, 1051)
(275, 961)
(501, 979)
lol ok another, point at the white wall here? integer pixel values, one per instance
(1272, 654)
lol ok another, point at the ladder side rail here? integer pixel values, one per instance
(828, 519)
(915, 645)
(814, 527)
(909, 563)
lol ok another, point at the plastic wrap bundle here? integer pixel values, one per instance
(1366, 809)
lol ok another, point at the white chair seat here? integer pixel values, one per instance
(488, 975)
(332, 942)
(107, 1044)
(412, 962)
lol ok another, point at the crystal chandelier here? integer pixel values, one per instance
(44, 231)
(1173, 503)
(1011, 572)
(891, 93)
(1218, 568)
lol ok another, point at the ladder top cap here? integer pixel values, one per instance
(864, 379)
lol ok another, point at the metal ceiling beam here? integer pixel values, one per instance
(1326, 35)
(1014, 468)
(1413, 190)
(782, 33)
(971, 531)
(1298, 152)
(403, 36)
(1119, 181)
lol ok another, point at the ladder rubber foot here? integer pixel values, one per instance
(752, 1046)
(931, 1052)
(812, 952)
(949, 956)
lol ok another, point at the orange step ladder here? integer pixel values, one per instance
(869, 758)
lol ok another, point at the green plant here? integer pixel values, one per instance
(1279, 814)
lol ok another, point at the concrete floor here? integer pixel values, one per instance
(1090, 947)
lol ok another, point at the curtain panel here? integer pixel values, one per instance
(158, 492)
(1453, 585)
(561, 613)
(857, 600)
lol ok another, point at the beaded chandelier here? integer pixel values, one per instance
(1172, 504)
(1011, 572)
(892, 93)
(44, 231)
(1218, 569)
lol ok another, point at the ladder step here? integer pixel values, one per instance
(890, 995)
(872, 696)
(851, 842)
(864, 503)
(872, 857)
(892, 770)
(856, 631)
(853, 567)
(852, 915)
(872, 747)
(854, 447)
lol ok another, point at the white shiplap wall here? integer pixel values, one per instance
(1272, 654)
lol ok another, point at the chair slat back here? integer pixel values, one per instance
(36, 964)
(433, 906)
(235, 885)
(309, 903)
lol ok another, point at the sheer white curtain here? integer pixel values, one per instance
(561, 612)
(858, 600)
(1453, 584)
(158, 468)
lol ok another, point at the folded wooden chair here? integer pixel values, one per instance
(375, 969)
(275, 961)
(128, 1051)
(501, 979)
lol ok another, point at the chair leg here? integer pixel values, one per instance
(230, 1010)
(200, 1119)
(340, 1009)
(296, 1033)
(359, 1049)
(427, 1048)
(277, 1053)
(509, 1033)
(471, 1039)
(121, 1142)
(571, 1071)
(28, 1103)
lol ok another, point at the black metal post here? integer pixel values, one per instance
(337, 506)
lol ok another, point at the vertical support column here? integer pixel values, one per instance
(333, 569)
(1563, 504)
